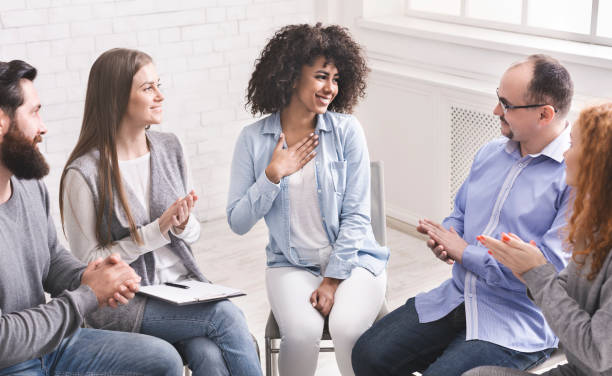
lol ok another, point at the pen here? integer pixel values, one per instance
(176, 285)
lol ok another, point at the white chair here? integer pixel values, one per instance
(379, 227)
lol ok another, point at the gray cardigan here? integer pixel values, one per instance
(168, 181)
(579, 311)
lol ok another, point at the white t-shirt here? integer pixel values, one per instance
(80, 221)
(307, 233)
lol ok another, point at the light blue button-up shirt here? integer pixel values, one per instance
(342, 170)
(504, 192)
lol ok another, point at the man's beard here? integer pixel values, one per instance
(20, 155)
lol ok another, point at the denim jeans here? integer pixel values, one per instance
(213, 338)
(399, 345)
(102, 352)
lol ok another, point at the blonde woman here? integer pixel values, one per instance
(119, 193)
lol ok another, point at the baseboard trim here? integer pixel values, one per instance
(405, 227)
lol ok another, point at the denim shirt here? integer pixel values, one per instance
(504, 192)
(342, 171)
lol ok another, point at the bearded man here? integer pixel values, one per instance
(46, 338)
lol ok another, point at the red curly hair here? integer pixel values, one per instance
(591, 221)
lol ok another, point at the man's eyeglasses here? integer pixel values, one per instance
(505, 106)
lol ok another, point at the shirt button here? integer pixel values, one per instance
(520, 165)
(318, 190)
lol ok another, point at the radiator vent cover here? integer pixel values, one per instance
(470, 130)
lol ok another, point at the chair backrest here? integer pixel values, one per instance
(377, 202)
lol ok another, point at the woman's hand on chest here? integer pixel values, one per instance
(285, 162)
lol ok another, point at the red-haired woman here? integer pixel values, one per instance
(577, 302)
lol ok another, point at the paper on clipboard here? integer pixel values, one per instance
(198, 292)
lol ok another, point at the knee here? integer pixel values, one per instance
(230, 314)
(301, 334)
(345, 331)
(201, 353)
(228, 320)
(162, 356)
(364, 357)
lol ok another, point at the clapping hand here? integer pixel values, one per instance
(436, 248)
(177, 215)
(514, 253)
(447, 245)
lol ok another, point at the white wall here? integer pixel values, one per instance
(204, 51)
(417, 76)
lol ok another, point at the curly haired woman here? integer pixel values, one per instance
(305, 169)
(577, 303)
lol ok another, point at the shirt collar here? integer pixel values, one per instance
(322, 124)
(272, 124)
(554, 150)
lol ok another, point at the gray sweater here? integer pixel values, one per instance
(579, 311)
(34, 262)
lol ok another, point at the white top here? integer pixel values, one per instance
(307, 233)
(80, 224)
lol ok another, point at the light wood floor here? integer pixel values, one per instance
(240, 261)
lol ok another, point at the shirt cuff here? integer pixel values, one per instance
(183, 232)
(338, 268)
(474, 258)
(153, 237)
(537, 277)
(267, 188)
(188, 234)
(84, 298)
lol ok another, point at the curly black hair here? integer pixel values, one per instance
(294, 46)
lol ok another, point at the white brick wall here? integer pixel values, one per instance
(204, 51)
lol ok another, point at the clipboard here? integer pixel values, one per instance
(197, 292)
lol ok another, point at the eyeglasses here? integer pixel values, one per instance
(505, 106)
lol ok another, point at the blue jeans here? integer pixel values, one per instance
(213, 338)
(399, 345)
(102, 352)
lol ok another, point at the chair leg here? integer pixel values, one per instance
(268, 357)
